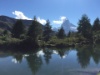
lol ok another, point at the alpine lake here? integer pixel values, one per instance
(81, 60)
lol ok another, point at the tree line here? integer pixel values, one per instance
(88, 30)
(37, 34)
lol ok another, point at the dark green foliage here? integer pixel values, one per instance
(18, 57)
(35, 19)
(34, 62)
(96, 25)
(38, 35)
(61, 33)
(84, 27)
(34, 33)
(35, 30)
(18, 29)
(47, 31)
(6, 32)
(29, 43)
(47, 55)
(64, 42)
(69, 34)
(96, 36)
(84, 55)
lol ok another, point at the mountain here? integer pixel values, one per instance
(67, 26)
(7, 22)
(7, 19)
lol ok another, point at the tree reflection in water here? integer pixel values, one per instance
(34, 63)
(47, 55)
(63, 52)
(84, 53)
(17, 58)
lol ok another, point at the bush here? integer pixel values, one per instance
(8, 40)
(62, 42)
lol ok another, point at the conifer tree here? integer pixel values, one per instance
(47, 31)
(96, 25)
(84, 27)
(61, 33)
(35, 29)
(18, 29)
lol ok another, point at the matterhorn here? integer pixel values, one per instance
(67, 26)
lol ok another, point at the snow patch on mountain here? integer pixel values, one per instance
(67, 26)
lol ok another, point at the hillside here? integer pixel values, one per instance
(7, 22)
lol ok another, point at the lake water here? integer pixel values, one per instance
(83, 60)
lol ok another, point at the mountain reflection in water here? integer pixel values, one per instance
(83, 60)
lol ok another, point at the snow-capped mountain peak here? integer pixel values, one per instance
(67, 26)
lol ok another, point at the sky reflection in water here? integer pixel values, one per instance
(84, 60)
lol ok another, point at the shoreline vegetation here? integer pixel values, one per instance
(38, 35)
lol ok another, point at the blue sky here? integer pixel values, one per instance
(54, 10)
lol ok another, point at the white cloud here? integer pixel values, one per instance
(63, 18)
(42, 21)
(20, 15)
(57, 22)
(60, 21)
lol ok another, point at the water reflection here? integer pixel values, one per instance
(84, 53)
(17, 58)
(48, 57)
(96, 54)
(34, 63)
(63, 52)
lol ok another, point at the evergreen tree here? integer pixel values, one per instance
(61, 33)
(5, 32)
(35, 29)
(96, 25)
(96, 31)
(18, 29)
(84, 27)
(47, 31)
(69, 34)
